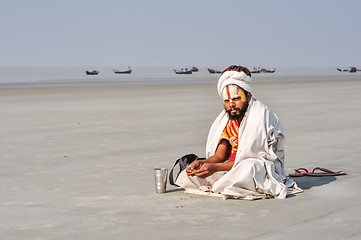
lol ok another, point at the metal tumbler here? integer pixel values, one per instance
(160, 178)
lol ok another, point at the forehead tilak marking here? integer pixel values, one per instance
(233, 91)
(228, 93)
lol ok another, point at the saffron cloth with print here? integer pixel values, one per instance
(230, 133)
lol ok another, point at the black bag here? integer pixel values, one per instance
(183, 162)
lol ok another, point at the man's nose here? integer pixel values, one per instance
(231, 102)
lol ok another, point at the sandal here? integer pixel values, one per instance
(324, 172)
(299, 172)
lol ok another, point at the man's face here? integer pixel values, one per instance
(235, 101)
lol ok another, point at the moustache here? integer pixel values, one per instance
(234, 108)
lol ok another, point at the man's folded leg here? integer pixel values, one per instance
(193, 182)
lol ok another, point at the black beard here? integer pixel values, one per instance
(241, 114)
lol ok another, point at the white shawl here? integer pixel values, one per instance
(258, 170)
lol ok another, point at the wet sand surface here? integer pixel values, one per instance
(77, 162)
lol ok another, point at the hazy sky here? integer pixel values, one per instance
(204, 33)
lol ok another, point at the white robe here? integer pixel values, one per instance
(258, 170)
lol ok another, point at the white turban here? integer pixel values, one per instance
(233, 77)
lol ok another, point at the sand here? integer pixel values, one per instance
(77, 163)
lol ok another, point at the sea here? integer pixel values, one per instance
(76, 76)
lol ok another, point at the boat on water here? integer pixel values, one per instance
(116, 71)
(268, 70)
(350, 69)
(122, 72)
(92, 72)
(194, 69)
(182, 71)
(212, 71)
(262, 70)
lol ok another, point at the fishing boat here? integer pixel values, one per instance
(182, 71)
(194, 69)
(268, 70)
(256, 70)
(350, 69)
(263, 70)
(122, 72)
(92, 72)
(212, 71)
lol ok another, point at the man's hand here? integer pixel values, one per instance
(191, 168)
(206, 170)
(201, 169)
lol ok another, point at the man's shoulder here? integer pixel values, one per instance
(258, 106)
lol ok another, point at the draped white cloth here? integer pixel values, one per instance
(258, 170)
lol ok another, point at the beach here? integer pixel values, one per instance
(77, 162)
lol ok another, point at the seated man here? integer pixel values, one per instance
(244, 151)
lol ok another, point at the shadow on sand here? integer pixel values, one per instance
(175, 190)
(307, 182)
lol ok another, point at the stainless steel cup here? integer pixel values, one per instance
(160, 178)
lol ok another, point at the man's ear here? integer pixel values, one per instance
(249, 96)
